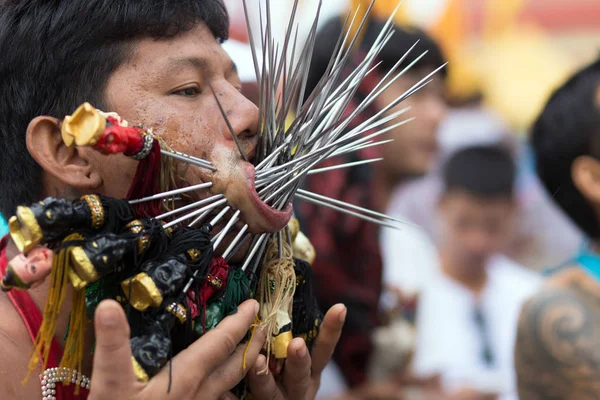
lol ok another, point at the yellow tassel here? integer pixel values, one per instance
(73, 354)
(252, 331)
(59, 280)
(276, 288)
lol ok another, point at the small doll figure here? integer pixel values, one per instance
(109, 253)
(159, 280)
(276, 289)
(149, 353)
(189, 252)
(151, 350)
(26, 271)
(283, 331)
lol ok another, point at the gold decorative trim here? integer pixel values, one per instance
(215, 281)
(135, 226)
(143, 243)
(179, 311)
(139, 372)
(25, 230)
(97, 210)
(193, 254)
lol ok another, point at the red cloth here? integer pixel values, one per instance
(348, 266)
(32, 318)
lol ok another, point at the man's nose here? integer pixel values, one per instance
(242, 115)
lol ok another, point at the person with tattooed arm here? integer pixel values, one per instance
(557, 353)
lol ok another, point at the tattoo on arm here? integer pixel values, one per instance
(557, 354)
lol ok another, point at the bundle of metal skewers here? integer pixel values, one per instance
(287, 155)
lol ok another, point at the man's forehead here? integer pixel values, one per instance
(197, 49)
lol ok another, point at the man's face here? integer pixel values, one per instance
(415, 143)
(475, 228)
(167, 86)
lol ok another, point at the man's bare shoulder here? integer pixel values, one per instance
(557, 354)
(16, 348)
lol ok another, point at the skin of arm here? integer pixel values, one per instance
(557, 353)
(15, 356)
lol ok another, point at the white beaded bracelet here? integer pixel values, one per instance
(52, 376)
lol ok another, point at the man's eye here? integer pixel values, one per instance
(188, 92)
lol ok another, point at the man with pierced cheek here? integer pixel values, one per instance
(156, 66)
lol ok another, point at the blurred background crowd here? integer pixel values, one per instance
(433, 307)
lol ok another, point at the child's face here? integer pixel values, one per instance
(475, 228)
(167, 86)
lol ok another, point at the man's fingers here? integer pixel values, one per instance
(296, 377)
(228, 375)
(263, 386)
(113, 371)
(195, 364)
(229, 396)
(327, 339)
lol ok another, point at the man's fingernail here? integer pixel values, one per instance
(302, 352)
(343, 315)
(256, 307)
(107, 318)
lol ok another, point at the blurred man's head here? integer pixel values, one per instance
(477, 206)
(415, 144)
(566, 142)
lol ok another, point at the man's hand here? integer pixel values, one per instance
(207, 369)
(301, 377)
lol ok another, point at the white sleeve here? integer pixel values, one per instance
(429, 355)
(409, 258)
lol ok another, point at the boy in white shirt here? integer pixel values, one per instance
(467, 314)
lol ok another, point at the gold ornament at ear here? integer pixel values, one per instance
(142, 292)
(84, 127)
(25, 230)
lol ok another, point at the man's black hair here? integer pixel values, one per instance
(481, 171)
(567, 128)
(402, 40)
(59, 54)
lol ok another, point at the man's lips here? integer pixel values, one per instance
(236, 181)
(274, 220)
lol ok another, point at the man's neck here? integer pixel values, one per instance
(473, 277)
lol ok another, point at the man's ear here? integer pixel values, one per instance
(585, 172)
(67, 164)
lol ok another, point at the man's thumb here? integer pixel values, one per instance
(113, 370)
